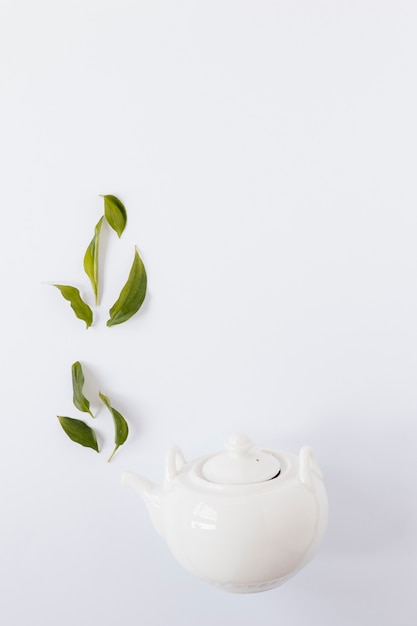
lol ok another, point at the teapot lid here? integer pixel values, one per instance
(241, 464)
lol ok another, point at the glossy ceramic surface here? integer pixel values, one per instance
(249, 533)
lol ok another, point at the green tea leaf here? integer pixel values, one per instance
(115, 213)
(79, 399)
(79, 432)
(80, 308)
(121, 428)
(91, 259)
(132, 295)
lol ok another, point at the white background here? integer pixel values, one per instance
(266, 154)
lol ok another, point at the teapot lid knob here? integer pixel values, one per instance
(241, 464)
(238, 444)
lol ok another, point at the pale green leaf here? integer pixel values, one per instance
(115, 213)
(80, 308)
(79, 432)
(79, 399)
(132, 295)
(91, 266)
(121, 428)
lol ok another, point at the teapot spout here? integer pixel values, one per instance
(151, 494)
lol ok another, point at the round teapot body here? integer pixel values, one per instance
(244, 538)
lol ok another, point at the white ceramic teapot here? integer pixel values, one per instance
(245, 519)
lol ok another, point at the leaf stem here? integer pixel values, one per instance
(112, 454)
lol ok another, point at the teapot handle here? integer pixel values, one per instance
(308, 466)
(174, 462)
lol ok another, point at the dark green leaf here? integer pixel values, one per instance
(115, 213)
(132, 295)
(121, 428)
(91, 259)
(80, 308)
(79, 399)
(79, 432)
